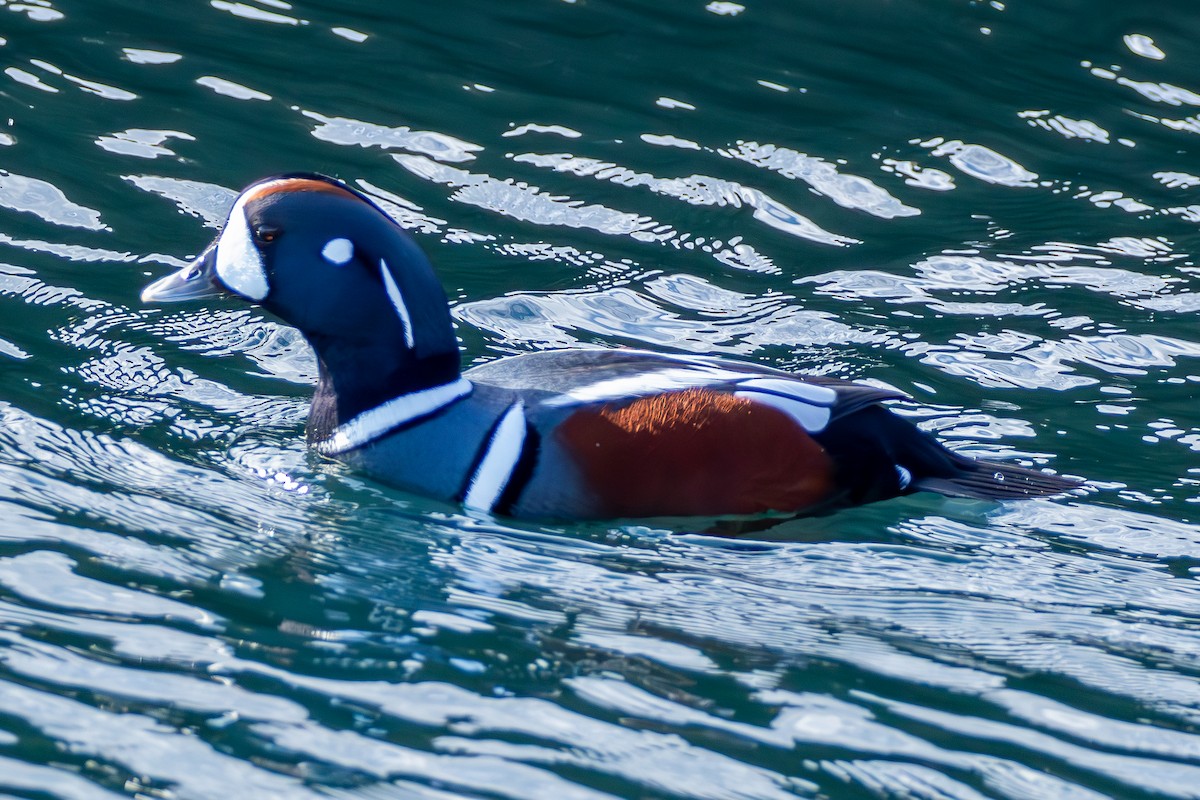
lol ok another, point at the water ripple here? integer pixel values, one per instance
(142, 143)
(279, 351)
(697, 190)
(440, 146)
(530, 204)
(193, 605)
(207, 201)
(159, 755)
(848, 191)
(228, 88)
(569, 738)
(982, 163)
(549, 321)
(44, 199)
(259, 15)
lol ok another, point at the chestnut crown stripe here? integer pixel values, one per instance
(296, 185)
(239, 263)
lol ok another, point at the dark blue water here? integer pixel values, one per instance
(990, 206)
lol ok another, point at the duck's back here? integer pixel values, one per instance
(571, 434)
(627, 433)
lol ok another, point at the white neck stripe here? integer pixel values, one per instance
(496, 467)
(371, 424)
(397, 299)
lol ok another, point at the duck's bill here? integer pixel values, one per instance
(195, 281)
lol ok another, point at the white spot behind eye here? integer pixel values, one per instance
(338, 251)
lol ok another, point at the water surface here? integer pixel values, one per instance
(990, 206)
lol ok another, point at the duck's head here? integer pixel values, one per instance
(324, 258)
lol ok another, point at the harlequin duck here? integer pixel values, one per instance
(572, 434)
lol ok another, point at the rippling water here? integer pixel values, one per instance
(991, 206)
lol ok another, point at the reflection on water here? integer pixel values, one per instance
(39, 197)
(988, 208)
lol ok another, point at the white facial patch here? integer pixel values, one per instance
(338, 251)
(239, 264)
(397, 299)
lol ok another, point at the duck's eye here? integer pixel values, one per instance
(265, 234)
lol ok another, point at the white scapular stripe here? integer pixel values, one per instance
(807, 392)
(397, 299)
(370, 425)
(651, 382)
(338, 251)
(812, 418)
(239, 264)
(497, 465)
(695, 376)
(903, 477)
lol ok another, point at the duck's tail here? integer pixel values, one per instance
(883, 455)
(987, 480)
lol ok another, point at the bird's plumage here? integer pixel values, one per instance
(582, 433)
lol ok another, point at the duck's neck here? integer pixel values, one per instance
(356, 378)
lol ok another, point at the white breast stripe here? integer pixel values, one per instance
(398, 301)
(370, 425)
(812, 418)
(807, 392)
(497, 465)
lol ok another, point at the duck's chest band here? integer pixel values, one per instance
(397, 412)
